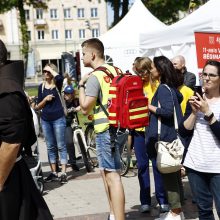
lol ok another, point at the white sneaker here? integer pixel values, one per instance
(144, 208)
(169, 216)
(182, 216)
(111, 217)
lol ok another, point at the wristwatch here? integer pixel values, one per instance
(81, 86)
(208, 116)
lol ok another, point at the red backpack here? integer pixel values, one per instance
(127, 105)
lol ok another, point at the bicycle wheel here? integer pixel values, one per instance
(90, 135)
(40, 185)
(83, 152)
(125, 159)
(90, 139)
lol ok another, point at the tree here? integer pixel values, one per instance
(7, 5)
(165, 10)
(120, 9)
(125, 5)
(115, 4)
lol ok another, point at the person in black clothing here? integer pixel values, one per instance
(19, 196)
(72, 105)
(180, 64)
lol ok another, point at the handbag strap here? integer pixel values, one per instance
(61, 100)
(174, 113)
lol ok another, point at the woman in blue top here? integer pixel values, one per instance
(53, 120)
(168, 77)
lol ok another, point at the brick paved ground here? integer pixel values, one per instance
(83, 197)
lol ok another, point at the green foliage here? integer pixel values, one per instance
(32, 91)
(7, 5)
(167, 10)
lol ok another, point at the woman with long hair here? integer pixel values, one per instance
(142, 67)
(53, 120)
(162, 107)
(201, 127)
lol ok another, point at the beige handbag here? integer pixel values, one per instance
(169, 155)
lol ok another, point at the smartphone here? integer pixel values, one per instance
(198, 89)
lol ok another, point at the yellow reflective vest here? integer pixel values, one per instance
(101, 122)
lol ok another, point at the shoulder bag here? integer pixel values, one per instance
(169, 155)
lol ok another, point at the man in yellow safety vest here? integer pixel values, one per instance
(93, 90)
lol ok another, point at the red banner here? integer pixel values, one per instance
(207, 47)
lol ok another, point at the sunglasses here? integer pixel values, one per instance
(45, 71)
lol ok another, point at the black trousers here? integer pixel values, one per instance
(70, 145)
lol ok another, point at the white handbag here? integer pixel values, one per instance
(169, 155)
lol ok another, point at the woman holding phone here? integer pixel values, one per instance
(53, 120)
(201, 126)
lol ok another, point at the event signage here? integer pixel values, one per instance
(207, 47)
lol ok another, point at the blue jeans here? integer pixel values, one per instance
(205, 187)
(54, 133)
(144, 173)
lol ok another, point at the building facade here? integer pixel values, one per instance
(59, 29)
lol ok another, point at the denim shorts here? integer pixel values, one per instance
(108, 159)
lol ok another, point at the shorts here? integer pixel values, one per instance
(109, 159)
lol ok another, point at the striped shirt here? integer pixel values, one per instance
(203, 154)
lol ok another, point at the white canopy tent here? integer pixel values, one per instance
(122, 41)
(178, 39)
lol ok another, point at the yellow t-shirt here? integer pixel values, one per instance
(187, 93)
(149, 91)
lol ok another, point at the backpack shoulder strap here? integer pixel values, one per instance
(109, 74)
(42, 87)
(107, 71)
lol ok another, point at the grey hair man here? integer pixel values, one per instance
(180, 64)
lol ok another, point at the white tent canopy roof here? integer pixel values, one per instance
(122, 41)
(126, 32)
(206, 18)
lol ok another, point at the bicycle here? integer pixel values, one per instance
(92, 155)
(80, 142)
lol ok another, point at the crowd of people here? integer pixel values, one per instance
(169, 88)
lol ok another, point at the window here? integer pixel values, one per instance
(55, 35)
(94, 12)
(40, 35)
(67, 13)
(80, 13)
(68, 34)
(82, 33)
(39, 13)
(27, 14)
(29, 35)
(53, 14)
(95, 32)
